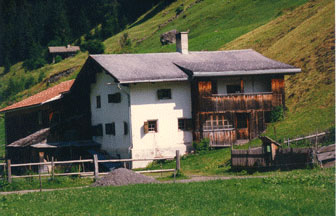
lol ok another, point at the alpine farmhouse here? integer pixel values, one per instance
(150, 105)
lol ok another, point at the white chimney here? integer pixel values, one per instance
(182, 42)
(68, 46)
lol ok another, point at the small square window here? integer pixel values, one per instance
(164, 94)
(114, 98)
(184, 124)
(98, 102)
(150, 126)
(110, 129)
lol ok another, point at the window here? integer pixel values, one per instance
(231, 89)
(164, 94)
(98, 102)
(97, 130)
(125, 128)
(184, 124)
(114, 98)
(110, 129)
(214, 89)
(217, 122)
(150, 126)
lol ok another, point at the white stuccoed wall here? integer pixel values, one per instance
(111, 112)
(146, 106)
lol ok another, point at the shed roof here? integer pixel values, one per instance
(63, 49)
(48, 95)
(154, 67)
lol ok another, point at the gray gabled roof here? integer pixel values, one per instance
(154, 67)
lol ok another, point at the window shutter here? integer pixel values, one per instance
(145, 127)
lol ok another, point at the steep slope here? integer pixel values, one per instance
(303, 37)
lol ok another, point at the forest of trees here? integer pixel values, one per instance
(27, 28)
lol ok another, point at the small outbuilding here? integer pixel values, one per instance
(63, 51)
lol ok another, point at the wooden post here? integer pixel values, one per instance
(288, 142)
(316, 140)
(9, 171)
(178, 163)
(52, 168)
(40, 181)
(96, 167)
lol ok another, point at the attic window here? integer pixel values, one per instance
(98, 102)
(114, 98)
(164, 94)
(185, 124)
(97, 130)
(150, 126)
(110, 129)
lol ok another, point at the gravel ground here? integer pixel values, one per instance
(123, 176)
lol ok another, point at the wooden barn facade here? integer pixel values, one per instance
(53, 122)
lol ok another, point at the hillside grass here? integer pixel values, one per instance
(2, 137)
(304, 38)
(299, 193)
(212, 23)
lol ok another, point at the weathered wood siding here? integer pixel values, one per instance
(254, 157)
(221, 137)
(236, 102)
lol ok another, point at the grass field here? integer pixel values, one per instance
(302, 192)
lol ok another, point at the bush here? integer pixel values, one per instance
(29, 82)
(124, 40)
(58, 59)
(203, 145)
(179, 9)
(41, 76)
(94, 47)
(34, 63)
(277, 114)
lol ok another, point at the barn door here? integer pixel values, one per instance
(242, 125)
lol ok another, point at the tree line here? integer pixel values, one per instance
(27, 28)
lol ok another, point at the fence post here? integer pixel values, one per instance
(52, 167)
(178, 163)
(96, 167)
(9, 171)
(288, 142)
(40, 181)
(316, 140)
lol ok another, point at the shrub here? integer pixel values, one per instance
(203, 145)
(94, 47)
(277, 114)
(124, 40)
(179, 9)
(29, 82)
(41, 76)
(34, 63)
(58, 59)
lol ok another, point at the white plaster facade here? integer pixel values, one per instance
(139, 104)
(145, 106)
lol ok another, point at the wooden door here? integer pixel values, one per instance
(242, 125)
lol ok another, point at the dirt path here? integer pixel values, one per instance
(192, 179)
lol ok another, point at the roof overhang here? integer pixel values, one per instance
(154, 80)
(247, 72)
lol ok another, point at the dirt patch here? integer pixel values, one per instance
(123, 176)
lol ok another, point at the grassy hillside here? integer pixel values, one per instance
(303, 37)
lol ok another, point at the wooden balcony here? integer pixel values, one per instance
(239, 102)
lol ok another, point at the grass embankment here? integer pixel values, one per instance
(303, 37)
(300, 193)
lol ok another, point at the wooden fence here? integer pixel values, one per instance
(8, 167)
(314, 139)
(259, 158)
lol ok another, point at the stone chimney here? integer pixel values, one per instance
(182, 42)
(68, 46)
